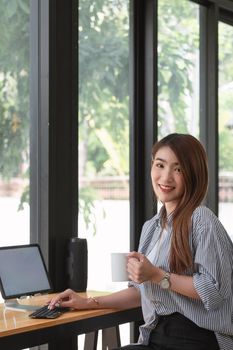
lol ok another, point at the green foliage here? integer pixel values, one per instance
(177, 46)
(103, 95)
(225, 53)
(103, 86)
(14, 86)
(87, 197)
(226, 150)
(13, 127)
(25, 198)
(225, 97)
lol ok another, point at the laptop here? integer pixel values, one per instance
(23, 273)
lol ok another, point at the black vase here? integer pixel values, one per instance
(77, 264)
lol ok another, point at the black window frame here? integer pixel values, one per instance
(54, 130)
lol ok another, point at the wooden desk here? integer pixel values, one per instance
(18, 331)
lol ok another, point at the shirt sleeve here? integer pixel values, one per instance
(212, 279)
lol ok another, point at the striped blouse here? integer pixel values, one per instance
(212, 251)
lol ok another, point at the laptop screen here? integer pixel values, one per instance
(23, 271)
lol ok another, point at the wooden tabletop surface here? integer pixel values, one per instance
(14, 322)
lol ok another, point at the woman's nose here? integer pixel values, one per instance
(167, 174)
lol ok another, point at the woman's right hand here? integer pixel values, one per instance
(123, 299)
(71, 299)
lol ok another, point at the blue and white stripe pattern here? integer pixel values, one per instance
(212, 251)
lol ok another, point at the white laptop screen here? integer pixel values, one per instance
(23, 271)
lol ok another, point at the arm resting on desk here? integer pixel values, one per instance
(124, 299)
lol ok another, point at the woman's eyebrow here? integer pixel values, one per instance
(161, 160)
(164, 161)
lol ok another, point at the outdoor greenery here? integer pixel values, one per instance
(178, 48)
(14, 87)
(225, 97)
(103, 86)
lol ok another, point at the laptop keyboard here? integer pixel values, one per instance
(44, 312)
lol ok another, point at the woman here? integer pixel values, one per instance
(182, 272)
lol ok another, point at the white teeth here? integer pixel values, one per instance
(166, 187)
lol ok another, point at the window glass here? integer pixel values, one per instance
(14, 122)
(103, 136)
(225, 94)
(178, 67)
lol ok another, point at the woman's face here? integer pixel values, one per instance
(167, 178)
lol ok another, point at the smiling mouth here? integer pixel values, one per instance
(165, 188)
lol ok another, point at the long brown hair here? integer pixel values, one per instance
(193, 161)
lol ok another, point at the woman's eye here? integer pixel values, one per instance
(159, 165)
(178, 170)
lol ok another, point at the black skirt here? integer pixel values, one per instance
(176, 332)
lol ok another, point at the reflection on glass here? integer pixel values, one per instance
(14, 122)
(225, 126)
(178, 67)
(103, 134)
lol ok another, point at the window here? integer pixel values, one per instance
(14, 122)
(104, 136)
(225, 95)
(104, 122)
(178, 67)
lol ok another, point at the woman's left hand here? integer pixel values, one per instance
(140, 268)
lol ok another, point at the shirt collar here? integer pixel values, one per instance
(158, 219)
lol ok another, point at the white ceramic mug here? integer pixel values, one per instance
(118, 266)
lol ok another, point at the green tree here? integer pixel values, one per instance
(103, 81)
(178, 43)
(103, 86)
(103, 95)
(14, 87)
(225, 97)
